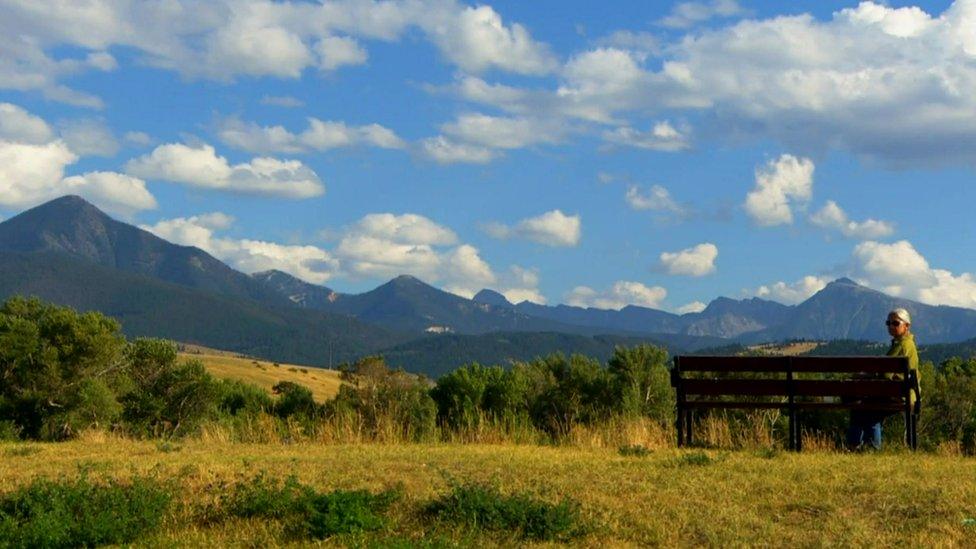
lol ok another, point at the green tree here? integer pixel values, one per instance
(167, 398)
(58, 368)
(642, 382)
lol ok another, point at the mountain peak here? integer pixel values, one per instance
(844, 281)
(491, 297)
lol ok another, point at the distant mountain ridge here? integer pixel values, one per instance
(71, 226)
(67, 251)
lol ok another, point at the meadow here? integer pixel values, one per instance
(323, 383)
(657, 497)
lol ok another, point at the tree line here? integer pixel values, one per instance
(63, 372)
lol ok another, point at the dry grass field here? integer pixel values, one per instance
(667, 497)
(323, 383)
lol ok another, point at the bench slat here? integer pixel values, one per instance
(800, 405)
(806, 364)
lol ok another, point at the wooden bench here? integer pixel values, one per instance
(792, 384)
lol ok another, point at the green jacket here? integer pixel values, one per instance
(905, 346)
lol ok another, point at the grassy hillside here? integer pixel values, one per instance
(665, 498)
(323, 383)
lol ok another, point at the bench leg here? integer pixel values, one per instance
(679, 426)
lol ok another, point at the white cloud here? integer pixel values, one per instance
(780, 184)
(320, 135)
(552, 228)
(621, 294)
(308, 263)
(662, 137)
(688, 14)
(502, 133)
(89, 136)
(520, 284)
(406, 229)
(832, 217)
(225, 39)
(139, 139)
(899, 269)
(476, 40)
(338, 51)
(696, 261)
(445, 151)
(18, 125)
(200, 166)
(32, 174)
(114, 192)
(791, 294)
(658, 199)
(32, 170)
(385, 245)
(693, 307)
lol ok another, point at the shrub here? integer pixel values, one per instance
(294, 399)
(239, 398)
(168, 398)
(80, 513)
(635, 450)
(477, 506)
(306, 512)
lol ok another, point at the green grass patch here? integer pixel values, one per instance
(481, 507)
(307, 513)
(692, 459)
(634, 450)
(81, 513)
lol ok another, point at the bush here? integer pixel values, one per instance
(308, 513)
(477, 506)
(168, 398)
(294, 399)
(239, 398)
(80, 513)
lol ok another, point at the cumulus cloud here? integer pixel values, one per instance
(899, 269)
(225, 39)
(33, 164)
(552, 228)
(89, 137)
(657, 199)
(445, 151)
(476, 40)
(308, 263)
(695, 261)
(115, 192)
(780, 184)
(384, 245)
(662, 137)
(693, 307)
(833, 218)
(200, 166)
(620, 295)
(338, 51)
(791, 294)
(502, 132)
(320, 135)
(18, 125)
(688, 14)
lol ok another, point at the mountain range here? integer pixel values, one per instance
(69, 252)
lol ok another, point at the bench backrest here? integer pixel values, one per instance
(711, 380)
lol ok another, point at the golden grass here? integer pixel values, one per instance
(668, 498)
(323, 383)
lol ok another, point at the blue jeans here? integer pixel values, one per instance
(865, 426)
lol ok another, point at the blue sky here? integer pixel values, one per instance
(598, 154)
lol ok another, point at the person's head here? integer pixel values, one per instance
(898, 323)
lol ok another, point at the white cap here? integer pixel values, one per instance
(902, 315)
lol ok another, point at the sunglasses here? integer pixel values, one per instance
(893, 323)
